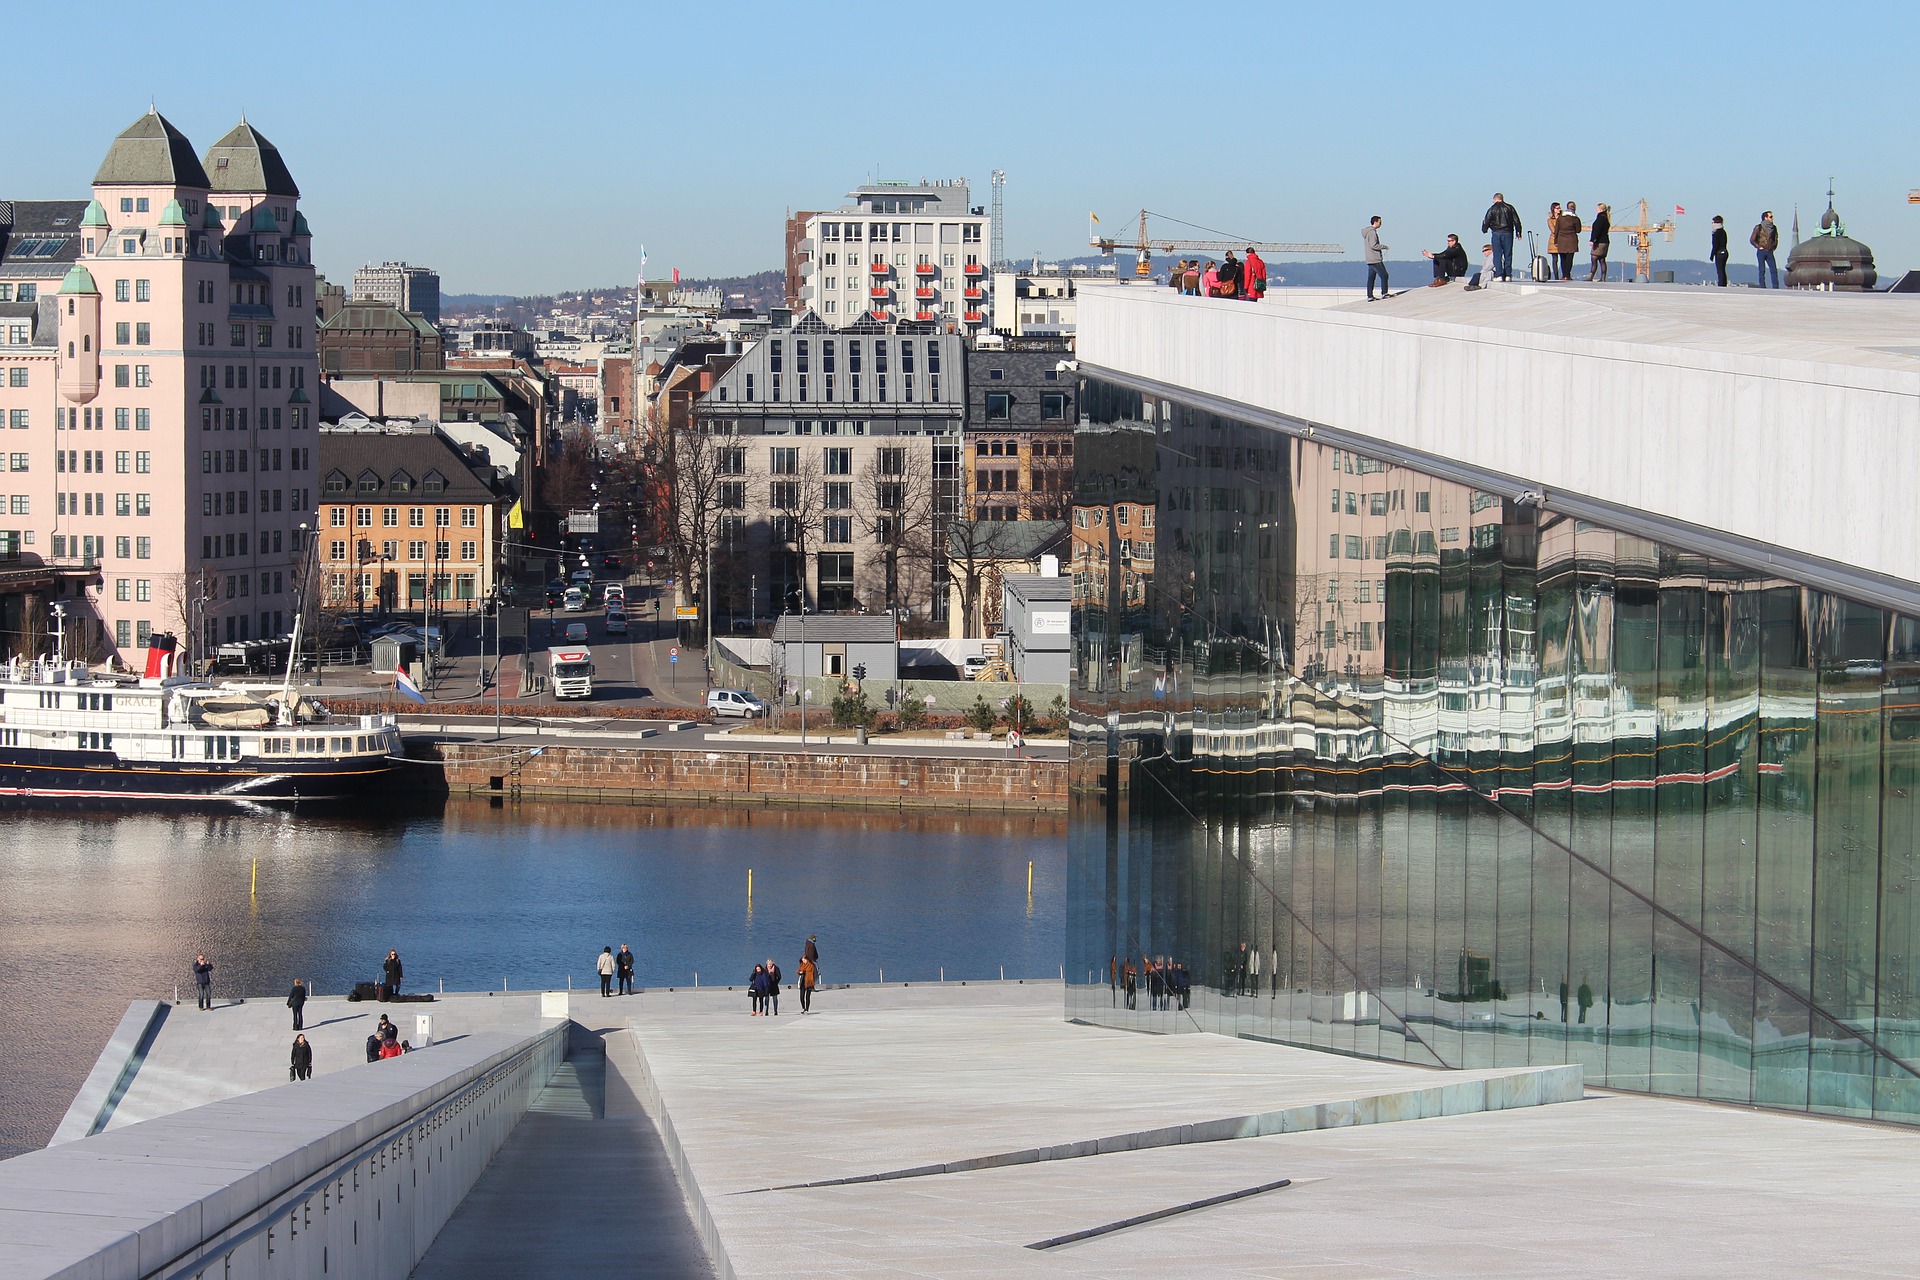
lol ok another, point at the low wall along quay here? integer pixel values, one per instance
(758, 777)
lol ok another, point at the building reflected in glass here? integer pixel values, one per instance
(1373, 761)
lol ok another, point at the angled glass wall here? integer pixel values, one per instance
(1372, 761)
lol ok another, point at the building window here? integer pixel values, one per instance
(999, 406)
(837, 529)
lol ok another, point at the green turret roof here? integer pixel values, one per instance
(246, 161)
(173, 215)
(264, 223)
(300, 227)
(95, 216)
(79, 280)
(212, 218)
(151, 153)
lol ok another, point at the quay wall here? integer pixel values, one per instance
(751, 777)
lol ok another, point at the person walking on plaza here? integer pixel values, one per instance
(1255, 270)
(1765, 239)
(297, 1001)
(606, 965)
(1503, 224)
(1449, 264)
(773, 987)
(812, 950)
(1566, 242)
(809, 979)
(623, 965)
(757, 989)
(302, 1068)
(1599, 240)
(203, 980)
(1376, 256)
(1719, 254)
(393, 972)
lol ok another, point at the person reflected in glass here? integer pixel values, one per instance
(1586, 999)
(1129, 982)
(1563, 997)
(1183, 983)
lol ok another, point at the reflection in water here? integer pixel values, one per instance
(98, 910)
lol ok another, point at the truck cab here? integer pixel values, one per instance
(570, 670)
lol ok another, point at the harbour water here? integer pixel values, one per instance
(98, 910)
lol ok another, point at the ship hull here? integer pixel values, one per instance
(84, 778)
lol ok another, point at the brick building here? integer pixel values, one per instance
(1019, 434)
(377, 337)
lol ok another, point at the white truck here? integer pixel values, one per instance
(570, 670)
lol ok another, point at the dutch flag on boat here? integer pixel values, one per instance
(403, 685)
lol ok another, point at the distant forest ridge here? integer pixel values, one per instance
(764, 289)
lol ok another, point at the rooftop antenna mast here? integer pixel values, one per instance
(999, 220)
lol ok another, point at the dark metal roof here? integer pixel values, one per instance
(414, 454)
(40, 238)
(150, 152)
(245, 161)
(835, 629)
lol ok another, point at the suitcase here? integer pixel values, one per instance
(1542, 269)
(386, 993)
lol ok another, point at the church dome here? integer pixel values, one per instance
(1830, 258)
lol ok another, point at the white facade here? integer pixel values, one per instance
(1787, 421)
(905, 251)
(397, 284)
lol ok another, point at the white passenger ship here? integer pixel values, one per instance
(68, 733)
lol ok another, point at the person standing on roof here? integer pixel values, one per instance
(1765, 239)
(1503, 223)
(1719, 254)
(203, 979)
(1599, 240)
(1255, 271)
(1376, 256)
(606, 965)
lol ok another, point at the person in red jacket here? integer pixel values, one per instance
(1255, 272)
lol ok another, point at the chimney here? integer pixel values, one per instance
(1049, 566)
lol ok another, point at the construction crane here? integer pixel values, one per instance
(1145, 245)
(1642, 233)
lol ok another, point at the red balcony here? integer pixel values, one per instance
(925, 269)
(974, 270)
(880, 291)
(881, 314)
(925, 291)
(975, 317)
(974, 293)
(879, 268)
(923, 315)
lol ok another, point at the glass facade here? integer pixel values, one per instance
(1376, 762)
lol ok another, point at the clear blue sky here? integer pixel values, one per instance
(529, 148)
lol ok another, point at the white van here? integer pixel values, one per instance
(735, 702)
(616, 622)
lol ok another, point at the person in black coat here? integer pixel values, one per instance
(773, 987)
(302, 1068)
(1599, 240)
(393, 972)
(203, 979)
(1448, 264)
(297, 1001)
(1720, 250)
(623, 965)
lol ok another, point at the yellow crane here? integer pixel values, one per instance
(1643, 233)
(1145, 245)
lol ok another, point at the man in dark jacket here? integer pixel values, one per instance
(393, 972)
(1448, 264)
(1229, 276)
(297, 1001)
(1765, 239)
(203, 979)
(1719, 254)
(623, 965)
(1503, 222)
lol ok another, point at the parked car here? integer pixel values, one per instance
(974, 664)
(576, 633)
(735, 702)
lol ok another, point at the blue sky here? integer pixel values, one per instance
(529, 148)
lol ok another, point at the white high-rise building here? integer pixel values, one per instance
(401, 285)
(902, 252)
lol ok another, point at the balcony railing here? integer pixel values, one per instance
(926, 269)
(974, 270)
(879, 268)
(925, 292)
(880, 291)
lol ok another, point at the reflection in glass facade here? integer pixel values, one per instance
(1375, 762)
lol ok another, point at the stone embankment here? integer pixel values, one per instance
(751, 777)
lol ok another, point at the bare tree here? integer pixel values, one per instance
(187, 601)
(796, 511)
(896, 511)
(695, 466)
(975, 551)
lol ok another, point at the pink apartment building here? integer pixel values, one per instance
(157, 377)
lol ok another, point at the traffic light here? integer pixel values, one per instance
(860, 671)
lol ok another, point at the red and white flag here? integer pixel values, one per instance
(1680, 210)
